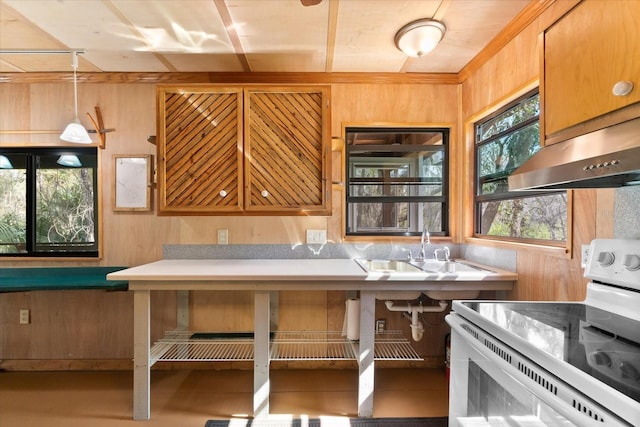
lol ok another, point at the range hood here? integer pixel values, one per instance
(606, 158)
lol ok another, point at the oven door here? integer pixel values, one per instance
(493, 385)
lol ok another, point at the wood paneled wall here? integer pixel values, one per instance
(543, 274)
(97, 325)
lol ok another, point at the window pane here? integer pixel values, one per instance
(396, 180)
(503, 143)
(519, 113)
(64, 205)
(399, 218)
(540, 218)
(13, 205)
(414, 175)
(498, 158)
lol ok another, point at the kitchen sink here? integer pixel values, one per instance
(388, 266)
(425, 270)
(460, 267)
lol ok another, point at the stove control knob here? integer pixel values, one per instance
(601, 358)
(629, 372)
(605, 259)
(631, 262)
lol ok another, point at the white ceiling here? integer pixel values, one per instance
(244, 35)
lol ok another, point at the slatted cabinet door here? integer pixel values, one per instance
(287, 146)
(199, 150)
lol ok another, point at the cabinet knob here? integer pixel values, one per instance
(622, 88)
(223, 193)
(265, 193)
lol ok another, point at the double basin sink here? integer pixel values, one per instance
(427, 270)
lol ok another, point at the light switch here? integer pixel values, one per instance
(223, 236)
(316, 237)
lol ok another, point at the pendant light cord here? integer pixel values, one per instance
(74, 64)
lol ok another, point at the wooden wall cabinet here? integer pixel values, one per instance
(243, 150)
(586, 52)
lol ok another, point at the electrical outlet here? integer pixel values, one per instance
(316, 236)
(24, 317)
(381, 324)
(223, 236)
(584, 256)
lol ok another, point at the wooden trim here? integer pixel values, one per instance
(529, 14)
(235, 78)
(332, 29)
(25, 365)
(530, 248)
(230, 26)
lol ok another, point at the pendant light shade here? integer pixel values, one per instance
(5, 163)
(75, 132)
(69, 160)
(419, 37)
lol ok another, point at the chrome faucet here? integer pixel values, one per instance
(424, 240)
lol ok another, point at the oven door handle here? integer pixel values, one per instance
(560, 406)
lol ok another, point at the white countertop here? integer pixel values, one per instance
(297, 274)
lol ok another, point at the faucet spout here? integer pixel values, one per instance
(424, 240)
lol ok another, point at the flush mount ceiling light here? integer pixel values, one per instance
(75, 132)
(419, 37)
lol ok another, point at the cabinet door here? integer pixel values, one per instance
(199, 150)
(585, 53)
(287, 145)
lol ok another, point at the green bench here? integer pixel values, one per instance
(59, 278)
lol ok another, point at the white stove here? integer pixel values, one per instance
(553, 363)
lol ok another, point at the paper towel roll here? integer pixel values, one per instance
(351, 325)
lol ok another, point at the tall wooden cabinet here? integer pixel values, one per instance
(243, 150)
(588, 51)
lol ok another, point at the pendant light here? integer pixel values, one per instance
(5, 163)
(69, 160)
(75, 132)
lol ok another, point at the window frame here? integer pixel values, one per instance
(443, 199)
(478, 198)
(31, 246)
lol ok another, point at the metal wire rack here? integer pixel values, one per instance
(180, 345)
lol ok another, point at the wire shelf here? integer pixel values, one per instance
(180, 346)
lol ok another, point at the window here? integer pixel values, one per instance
(503, 142)
(397, 181)
(48, 202)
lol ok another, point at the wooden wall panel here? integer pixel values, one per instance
(400, 103)
(543, 274)
(101, 325)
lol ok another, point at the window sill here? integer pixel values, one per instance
(561, 252)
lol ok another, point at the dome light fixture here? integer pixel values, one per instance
(75, 132)
(419, 37)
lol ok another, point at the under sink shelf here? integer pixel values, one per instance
(179, 346)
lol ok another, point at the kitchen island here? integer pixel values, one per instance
(263, 276)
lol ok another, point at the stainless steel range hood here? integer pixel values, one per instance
(606, 158)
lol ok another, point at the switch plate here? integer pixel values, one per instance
(223, 236)
(316, 236)
(24, 317)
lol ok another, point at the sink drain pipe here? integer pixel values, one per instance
(417, 329)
